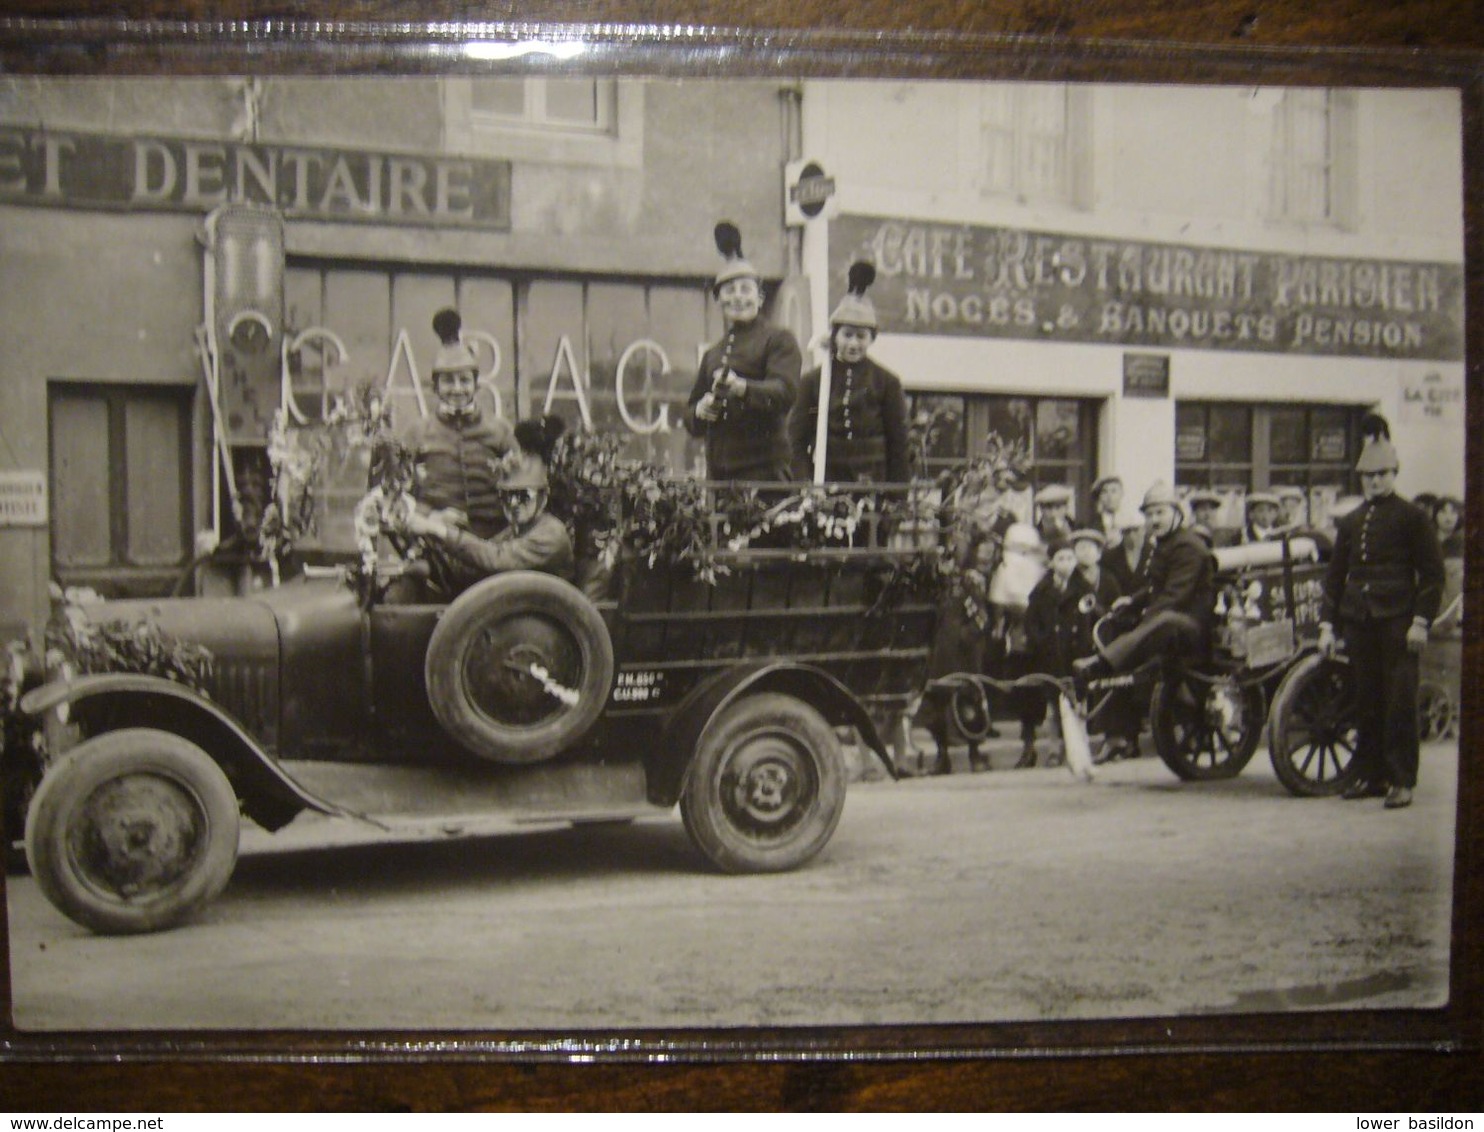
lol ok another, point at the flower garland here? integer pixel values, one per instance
(298, 456)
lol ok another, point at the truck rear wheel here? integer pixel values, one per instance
(133, 831)
(1312, 737)
(1206, 730)
(766, 787)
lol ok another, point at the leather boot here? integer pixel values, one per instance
(1027, 756)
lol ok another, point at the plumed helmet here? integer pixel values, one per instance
(855, 309)
(1160, 493)
(729, 244)
(525, 469)
(453, 355)
(1378, 456)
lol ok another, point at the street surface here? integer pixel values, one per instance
(1010, 895)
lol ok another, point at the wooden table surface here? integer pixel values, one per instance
(1070, 38)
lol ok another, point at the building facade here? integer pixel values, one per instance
(1209, 286)
(180, 259)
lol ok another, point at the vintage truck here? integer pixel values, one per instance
(521, 701)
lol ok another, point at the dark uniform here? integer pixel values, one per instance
(1175, 602)
(750, 441)
(867, 429)
(1386, 570)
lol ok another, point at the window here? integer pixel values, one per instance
(551, 120)
(1036, 143)
(1235, 448)
(561, 104)
(1313, 166)
(1057, 432)
(120, 486)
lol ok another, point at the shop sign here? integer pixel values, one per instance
(1146, 375)
(1190, 445)
(959, 279)
(23, 499)
(1433, 399)
(79, 170)
(1328, 446)
(808, 191)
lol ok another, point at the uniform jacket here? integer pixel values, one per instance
(868, 424)
(1181, 577)
(457, 452)
(543, 544)
(1386, 563)
(751, 438)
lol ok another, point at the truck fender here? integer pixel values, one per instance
(682, 731)
(118, 700)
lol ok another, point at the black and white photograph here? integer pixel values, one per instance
(551, 553)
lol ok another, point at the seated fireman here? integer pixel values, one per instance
(1174, 603)
(533, 538)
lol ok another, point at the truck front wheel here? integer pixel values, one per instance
(766, 787)
(133, 831)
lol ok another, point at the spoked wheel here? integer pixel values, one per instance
(1312, 737)
(133, 831)
(1206, 729)
(1437, 714)
(766, 787)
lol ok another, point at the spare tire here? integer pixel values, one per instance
(519, 667)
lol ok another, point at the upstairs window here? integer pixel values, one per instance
(1313, 158)
(543, 103)
(1035, 139)
(563, 121)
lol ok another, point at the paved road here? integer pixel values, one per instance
(1004, 896)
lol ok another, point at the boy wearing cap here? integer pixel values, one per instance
(457, 447)
(866, 437)
(1052, 502)
(748, 381)
(1384, 586)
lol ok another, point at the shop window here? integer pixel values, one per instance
(547, 119)
(1036, 143)
(1313, 166)
(1236, 448)
(1056, 432)
(120, 486)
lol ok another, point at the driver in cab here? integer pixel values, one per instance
(533, 538)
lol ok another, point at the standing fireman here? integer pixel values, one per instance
(866, 438)
(748, 381)
(1385, 587)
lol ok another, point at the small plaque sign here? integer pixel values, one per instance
(1146, 375)
(23, 499)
